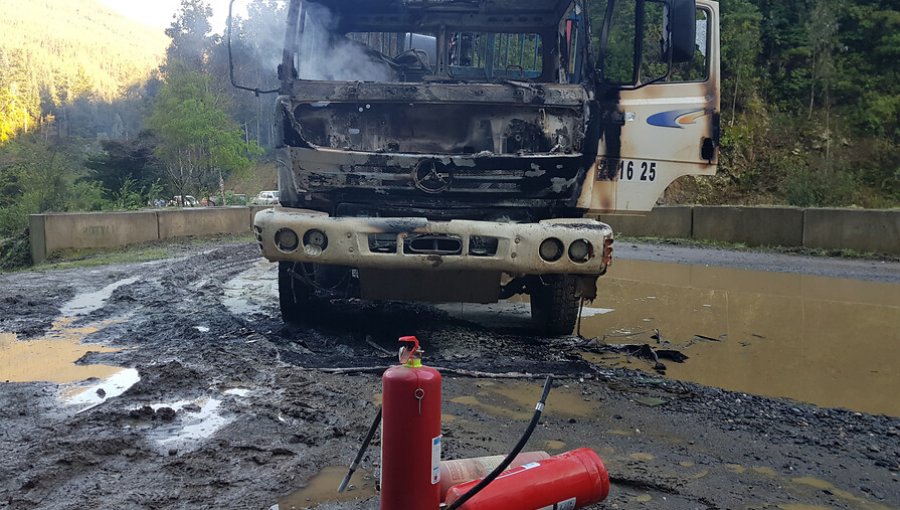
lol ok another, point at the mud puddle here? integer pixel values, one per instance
(828, 341)
(188, 423)
(52, 357)
(516, 399)
(252, 292)
(322, 489)
(96, 393)
(88, 302)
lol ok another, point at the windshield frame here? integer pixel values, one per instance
(460, 20)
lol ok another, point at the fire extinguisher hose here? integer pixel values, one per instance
(538, 410)
(362, 451)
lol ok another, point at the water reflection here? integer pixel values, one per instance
(828, 341)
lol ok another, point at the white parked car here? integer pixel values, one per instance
(186, 201)
(266, 198)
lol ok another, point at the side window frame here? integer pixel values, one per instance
(707, 61)
(639, 53)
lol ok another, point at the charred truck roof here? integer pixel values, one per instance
(442, 109)
(485, 15)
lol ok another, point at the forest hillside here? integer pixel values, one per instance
(55, 54)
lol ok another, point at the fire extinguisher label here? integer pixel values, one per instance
(568, 504)
(436, 461)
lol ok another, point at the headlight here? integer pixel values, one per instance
(315, 239)
(581, 250)
(286, 240)
(551, 249)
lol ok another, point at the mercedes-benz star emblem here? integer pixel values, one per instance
(432, 177)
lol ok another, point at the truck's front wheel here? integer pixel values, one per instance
(294, 292)
(554, 304)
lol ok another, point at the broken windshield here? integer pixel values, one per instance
(492, 56)
(326, 47)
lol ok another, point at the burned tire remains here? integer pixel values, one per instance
(554, 305)
(294, 293)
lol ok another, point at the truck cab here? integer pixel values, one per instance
(462, 150)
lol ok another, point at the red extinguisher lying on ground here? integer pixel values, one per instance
(411, 455)
(572, 480)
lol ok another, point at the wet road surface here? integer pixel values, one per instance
(213, 403)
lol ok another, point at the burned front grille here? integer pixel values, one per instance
(483, 246)
(548, 177)
(433, 244)
(383, 243)
(399, 179)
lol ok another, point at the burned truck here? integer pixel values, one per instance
(463, 150)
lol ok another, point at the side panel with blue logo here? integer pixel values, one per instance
(658, 132)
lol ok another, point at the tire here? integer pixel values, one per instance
(554, 304)
(294, 294)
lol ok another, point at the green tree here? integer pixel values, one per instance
(741, 45)
(126, 165)
(19, 100)
(36, 177)
(200, 145)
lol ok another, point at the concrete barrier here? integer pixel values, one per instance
(856, 229)
(51, 233)
(54, 232)
(860, 230)
(37, 237)
(753, 226)
(202, 221)
(666, 221)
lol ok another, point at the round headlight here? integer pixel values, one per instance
(551, 249)
(580, 250)
(315, 239)
(286, 240)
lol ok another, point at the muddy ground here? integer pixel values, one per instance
(233, 409)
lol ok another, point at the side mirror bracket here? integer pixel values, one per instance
(234, 84)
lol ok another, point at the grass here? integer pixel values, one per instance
(793, 250)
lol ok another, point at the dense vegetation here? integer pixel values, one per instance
(97, 112)
(63, 65)
(810, 105)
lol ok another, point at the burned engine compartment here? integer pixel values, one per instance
(434, 145)
(440, 128)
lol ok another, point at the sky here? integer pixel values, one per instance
(158, 13)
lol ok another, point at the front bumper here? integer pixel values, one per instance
(416, 243)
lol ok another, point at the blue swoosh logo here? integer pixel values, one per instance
(676, 118)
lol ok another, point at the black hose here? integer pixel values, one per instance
(538, 409)
(362, 451)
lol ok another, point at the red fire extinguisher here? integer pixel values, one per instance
(411, 433)
(572, 480)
